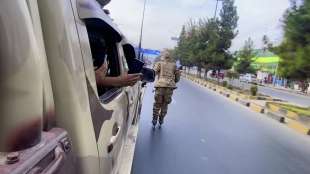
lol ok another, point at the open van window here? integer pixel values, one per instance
(104, 50)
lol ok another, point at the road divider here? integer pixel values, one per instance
(278, 117)
(297, 126)
(257, 104)
(244, 102)
(257, 107)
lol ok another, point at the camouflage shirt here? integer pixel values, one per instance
(167, 73)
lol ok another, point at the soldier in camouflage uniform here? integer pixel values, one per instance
(168, 76)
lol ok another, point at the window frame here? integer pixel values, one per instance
(113, 53)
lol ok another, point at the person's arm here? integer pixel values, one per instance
(120, 81)
(100, 73)
(157, 68)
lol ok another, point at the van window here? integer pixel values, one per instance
(104, 48)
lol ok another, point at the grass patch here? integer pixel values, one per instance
(297, 109)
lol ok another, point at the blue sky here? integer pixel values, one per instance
(164, 19)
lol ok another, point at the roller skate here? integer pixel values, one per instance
(154, 122)
(161, 122)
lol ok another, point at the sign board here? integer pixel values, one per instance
(149, 51)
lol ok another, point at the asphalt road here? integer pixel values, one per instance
(207, 133)
(276, 93)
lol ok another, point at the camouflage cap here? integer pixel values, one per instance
(165, 55)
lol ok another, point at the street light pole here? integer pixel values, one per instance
(217, 3)
(141, 32)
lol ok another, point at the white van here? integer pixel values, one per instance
(53, 117)
(248, 78)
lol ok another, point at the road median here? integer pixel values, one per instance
(263, 105)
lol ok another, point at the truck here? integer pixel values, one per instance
(54, 118)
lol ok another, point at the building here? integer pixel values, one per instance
(266, 61)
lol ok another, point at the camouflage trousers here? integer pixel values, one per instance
(163, 97)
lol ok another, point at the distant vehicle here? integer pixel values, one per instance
(54, 117)
(218, 75)
(248, 78)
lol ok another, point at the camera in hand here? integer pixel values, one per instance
(137, 66)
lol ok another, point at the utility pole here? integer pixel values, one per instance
(141, 32)
(216, 7)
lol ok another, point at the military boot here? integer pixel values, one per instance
(154, 121)
(161, 121)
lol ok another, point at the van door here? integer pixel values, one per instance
(113, 132)
(26, 96)
(69, 82)
(108, 104)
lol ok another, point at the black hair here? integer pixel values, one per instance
(98, 48)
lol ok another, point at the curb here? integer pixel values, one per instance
(292, 115)
(289, 118)
(257, 108)
(244, 102)
(234, 97)
(297, 126)
(278, 117)
(274, 108)
(287, 114)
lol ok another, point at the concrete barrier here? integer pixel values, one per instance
(234, 97)
(244, 102)
(275, 116)
(257, 108)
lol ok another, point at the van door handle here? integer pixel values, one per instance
(131, 100)
(54, 167)
(115, 133)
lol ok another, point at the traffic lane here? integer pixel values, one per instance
(206, 133)
(290, 97)
(283, 95)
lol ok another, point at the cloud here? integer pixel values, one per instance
(164, 19)
(259, 17)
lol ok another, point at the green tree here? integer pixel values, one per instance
(206, 43)
(267, 44)
(245, 57)
(227, 25)
(194, 45)
(295, 49)
(181, 49)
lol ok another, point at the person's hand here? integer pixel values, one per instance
(129, 79)
(101, 72)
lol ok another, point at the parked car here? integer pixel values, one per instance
(217, 75)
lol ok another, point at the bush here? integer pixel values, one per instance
(254, 90)
(230, 87)
(225, 84)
